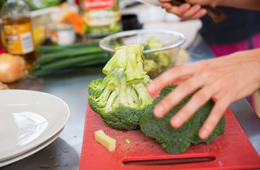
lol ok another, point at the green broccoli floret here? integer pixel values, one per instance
(150, 67)
(121, 97)
(173, 140)
(96, 87)
(163, 61)
(154, 43)
(157, 61)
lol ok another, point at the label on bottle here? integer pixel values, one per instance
(101, 17)
(100, 4)
(18, 38)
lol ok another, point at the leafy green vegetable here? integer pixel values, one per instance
(173, 140)
(121, 97)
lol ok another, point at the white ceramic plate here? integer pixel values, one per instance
(28, 119)
(43, 145)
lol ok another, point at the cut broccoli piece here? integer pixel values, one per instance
(121, 97)
(163, 61)
(150, 67)
(157, 61)
(154, 43)
(173, 140)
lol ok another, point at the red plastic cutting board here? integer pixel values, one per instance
(232, 150)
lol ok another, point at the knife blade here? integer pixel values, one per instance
(214, 14)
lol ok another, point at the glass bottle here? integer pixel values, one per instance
(101, 17)
(17, 29)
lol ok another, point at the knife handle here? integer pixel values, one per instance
(214, 14)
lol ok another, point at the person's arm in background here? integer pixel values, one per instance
(194, 12)
(227, 79)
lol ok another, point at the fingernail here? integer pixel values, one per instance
(151, 87)
(197, 8)
(158, 111)
(164, 5)
(204, 134)
(185, 8)
(203, 12)
(176, 121)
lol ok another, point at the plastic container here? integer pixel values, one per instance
(62, 34)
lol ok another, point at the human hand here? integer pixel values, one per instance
(226, 79)
(187, 11)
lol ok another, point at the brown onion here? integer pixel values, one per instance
(12, 68)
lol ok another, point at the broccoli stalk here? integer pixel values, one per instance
(117, 60)
(144, 96)
(123, 98)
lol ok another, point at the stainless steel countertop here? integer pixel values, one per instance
(72, 88)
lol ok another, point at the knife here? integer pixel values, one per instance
(214, 14)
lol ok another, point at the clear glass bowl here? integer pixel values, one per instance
(156, 60)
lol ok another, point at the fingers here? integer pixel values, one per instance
(177, 95)
(198, 100)
(191, 12)
(186, 11)
(170, 76)
(202, 12)
(179, 11)
(214, 117)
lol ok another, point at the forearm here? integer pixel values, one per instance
(244, 4)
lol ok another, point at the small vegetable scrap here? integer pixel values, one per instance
(105, 140)
(121, 97)
(56, 165)
(44, 166)
(128, 148)
(173, 140)
(65, 151)
(51, 157)
(127, 141)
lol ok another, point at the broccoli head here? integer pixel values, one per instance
(173, 140)
(121, 97)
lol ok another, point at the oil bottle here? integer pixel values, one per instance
(17, 30)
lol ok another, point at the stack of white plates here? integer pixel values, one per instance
(29, 121)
